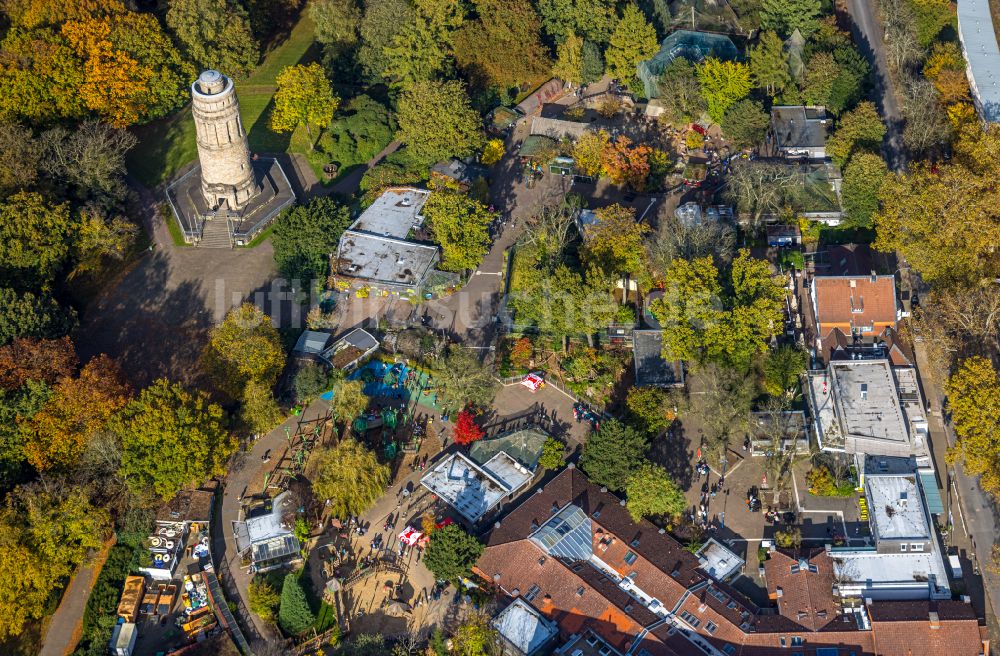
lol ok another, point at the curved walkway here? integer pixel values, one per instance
(236, 579)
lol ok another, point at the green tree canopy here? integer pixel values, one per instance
(974, 402)
(337, 23)
(863, 177)
(423, 48)
(32, 315)
(614, 243)
(44, 536)
(591, 63)
(612, 453)
(591, 19)
(723, 83)
(215, 33)
(349, 400)
(462, 379)
(746, 123)
(451, 553)
(651, 493)
(34, 237)
(680, 92)
(860, 129)
(782, 368)
(305, 237)
(569, 60)
(379, 27)
(436, 121)
(786, 16)
(633, 41)
(264, 599)
(652, 409)
(946, 219)
(347, 475)
(700, 322)
(244, 347)
(259, 411)
(295, 617)
(304, 97)
(171, 439)
(552, 454)
(769, 63)
(460, 225)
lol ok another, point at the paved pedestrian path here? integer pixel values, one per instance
(65, 627)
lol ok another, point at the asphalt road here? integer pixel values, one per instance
(867, 32)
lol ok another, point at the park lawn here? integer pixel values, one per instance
(167, 145)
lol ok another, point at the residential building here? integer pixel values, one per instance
(982, 55)
(616, 587)
(459, 173)
(377, 249)
(857, 306)
(799, 132)
(868, 407)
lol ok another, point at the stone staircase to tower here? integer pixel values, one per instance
(215, 229)
(215, 233)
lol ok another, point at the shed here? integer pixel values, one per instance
(123, 639)
(651, 368)
(538, 147)
(543, 94)
(128, 606)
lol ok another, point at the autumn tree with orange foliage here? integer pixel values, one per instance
(67, 59)
(627, 164)
(27, 358)
(79, 408)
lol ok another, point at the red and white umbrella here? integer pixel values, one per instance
(410, 536)
(534, 382)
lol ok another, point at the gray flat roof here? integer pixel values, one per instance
(719, 560)
(474, 490)
(384, 259)
(312, 341)
(896, 507)
(867, 403)
(870, 572)
(524, 627)
(651, 369)
(394, 213)
(524, 445)
(979, 42)
(799, 126)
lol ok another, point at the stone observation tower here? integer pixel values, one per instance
(227, 173)
(227, 198)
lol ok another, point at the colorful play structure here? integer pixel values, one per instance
(403, 389)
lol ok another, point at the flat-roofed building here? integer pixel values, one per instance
(867, 406)
(378, 247)
(982, 54)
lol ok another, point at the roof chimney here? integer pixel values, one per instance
(935, 620)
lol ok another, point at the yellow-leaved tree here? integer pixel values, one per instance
(974, 402)
(304, 97)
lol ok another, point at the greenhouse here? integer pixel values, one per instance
(693, 46)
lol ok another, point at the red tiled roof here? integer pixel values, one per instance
(913, 628)
(805, 597)
(848, 302)
(580, 597)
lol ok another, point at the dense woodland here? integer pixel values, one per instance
(84, 452)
